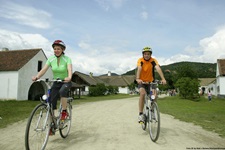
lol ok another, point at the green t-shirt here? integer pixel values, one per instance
(59, 71)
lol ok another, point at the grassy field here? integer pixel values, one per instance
(209, 115)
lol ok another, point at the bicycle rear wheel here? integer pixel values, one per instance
(65, 125)
(38, 127)
(154, 122)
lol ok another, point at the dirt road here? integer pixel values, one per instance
(112, 125)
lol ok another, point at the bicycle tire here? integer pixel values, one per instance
(144, 124)
(65, 126)
(36, 135)
(154, 122)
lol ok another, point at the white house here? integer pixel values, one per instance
(206, 84)
(220, 78)
(86, 81)
(16, 69)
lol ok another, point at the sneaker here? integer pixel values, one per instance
(141, 118)
(64, 115)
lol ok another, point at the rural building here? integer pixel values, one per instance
(220, 78)
(121, 81)
(217, 84)
(16, 69)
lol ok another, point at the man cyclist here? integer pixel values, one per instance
(61, 66)
(145, 73)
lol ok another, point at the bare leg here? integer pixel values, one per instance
(64, 103)
(141, 99)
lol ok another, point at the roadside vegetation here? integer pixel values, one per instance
(208, 115)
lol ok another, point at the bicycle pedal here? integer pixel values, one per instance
(141, 122)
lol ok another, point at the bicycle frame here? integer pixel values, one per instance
(42, 120)
(151, 113)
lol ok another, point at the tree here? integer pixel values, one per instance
(98, 90)
(187, 82)
(112, 89)
(188, 88)
(132, 87)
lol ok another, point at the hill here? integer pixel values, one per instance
(203, 70)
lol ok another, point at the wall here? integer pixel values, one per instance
(26, 73)
(222, 85)
(123, 90)
(8, 86)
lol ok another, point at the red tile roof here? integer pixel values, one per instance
(13, 60)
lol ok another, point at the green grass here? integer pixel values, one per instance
(13, 111)
(209, 115)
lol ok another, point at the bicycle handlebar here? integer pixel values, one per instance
(47, 80)
(153, 83)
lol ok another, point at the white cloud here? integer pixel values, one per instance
(100, 59)
(144, 15)
(15, 40)
(107, 4)
(210, 49)
(214, 46)
(25, 15)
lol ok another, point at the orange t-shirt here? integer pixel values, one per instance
(147, 73)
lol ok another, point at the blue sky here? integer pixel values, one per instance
(108, 35)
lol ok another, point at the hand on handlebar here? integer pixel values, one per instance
(34, 78)
(163, 82)
(67, 79)
(139, 81)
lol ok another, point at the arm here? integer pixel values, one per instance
(139, 68)
(41, 73)
(69, 68)
(158, 69)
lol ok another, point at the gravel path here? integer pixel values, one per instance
(112, 125)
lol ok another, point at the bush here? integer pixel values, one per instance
(101, 89)
(188, 88)
(112, 89)
(98, 90)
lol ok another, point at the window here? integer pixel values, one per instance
(39, 65)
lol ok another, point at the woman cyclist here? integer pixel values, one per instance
(145, 73)
(61, 66)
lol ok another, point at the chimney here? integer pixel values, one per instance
(109, 73)
(91, 74)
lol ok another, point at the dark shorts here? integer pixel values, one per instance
(147, 87)
(58, 90)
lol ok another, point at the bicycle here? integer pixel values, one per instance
(151, 113)
(42, 121)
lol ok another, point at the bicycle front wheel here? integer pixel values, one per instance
(65, 125)
(38, 127)
(154, 122)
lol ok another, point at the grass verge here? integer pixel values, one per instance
(209, 115)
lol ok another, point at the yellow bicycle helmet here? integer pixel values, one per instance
(146, 49)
